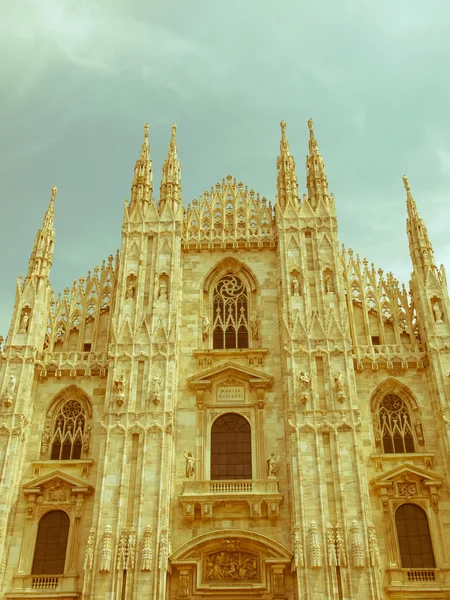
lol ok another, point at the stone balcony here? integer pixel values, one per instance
(72, 364)
(252, 498)
(418, 583)
(44, 586)
(390, 356)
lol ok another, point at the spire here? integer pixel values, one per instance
(420, 247)
(316, 179)
(42, 254)
(170, 190)
(287, 185)
(141, 188)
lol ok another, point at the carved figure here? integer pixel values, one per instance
(162, 293)
(232, 565)
(339, 387)
(190, 464)
(89, 553)
(357, 546)
(121, 552)
(295, 286)
(164, 550)
(437, 313)
(205, 326)
(119, 385)
(304, 380)
(24, 322)
(131, 549)
(56, 493)
(87, 439)
(147, 554)
(130, 290)
(419, 432)
(106, 553)
(331, 546)
(272, 465)
(9, 391)
(314, 546)
(1, 343)
(54, 190)
(374, 551)
(254, 325)
(340, 547)
(328, 284)
(45, 439)
(157, 382)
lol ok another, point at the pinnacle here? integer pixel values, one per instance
(406, 183)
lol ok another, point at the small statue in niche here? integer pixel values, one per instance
(45, 439)
(339, 386)
(295, 286)
(87, 439)
(304, 381)
(162, 293)
(1, 344)
(190, 465)
(437, 313)
(328, 284)
(419, 432)
(9, 390)
(205, 326)
(24, 322)
(157, 382)
(119, 385)
(272, 465)
(130, 290)
(254, 325)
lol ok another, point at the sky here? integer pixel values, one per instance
(79, 79)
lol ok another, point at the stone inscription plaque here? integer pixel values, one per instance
(231, 393)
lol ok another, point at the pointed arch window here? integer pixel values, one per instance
(395, 423)
(414, 539)
(231, 448)
(230, 314)
(51, 544)
(67, 439)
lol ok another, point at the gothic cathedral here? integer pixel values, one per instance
(232, 407)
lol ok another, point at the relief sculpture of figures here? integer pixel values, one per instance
(231, 566)
(272, 465)
(190, 465)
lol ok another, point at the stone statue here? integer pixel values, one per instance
(190, 465)
(295, 286)
(304, 380)
(328, 284)
(162, 294)
(437, 313)
(119, 385)
(130, 290)
(314, 547)
(272, 465)
(45, 439)
(87, 439)
(339, 386)
(374, 551)
(205, 326)
(24, 321)
(254, 325)
(157, 382)
(10, 388)
(89, 554)
(1, 343)
(54, 190)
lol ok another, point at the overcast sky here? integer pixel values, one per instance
(79, 79)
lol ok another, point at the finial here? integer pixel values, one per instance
(405, 183)
(310, 125)
(146, 130)
(283, 129)
(54, 190)
(174, 130)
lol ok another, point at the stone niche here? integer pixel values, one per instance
(231, 563)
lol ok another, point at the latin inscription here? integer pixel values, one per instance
(230, 394)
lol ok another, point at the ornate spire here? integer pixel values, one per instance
(420, 247)
(141, 188)
(287, 185)
(316, 179)
(170, 190)
(42, 253)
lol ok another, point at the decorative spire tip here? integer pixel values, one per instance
(311, 125)
(406, 183)
(53, 196)
(146, 130)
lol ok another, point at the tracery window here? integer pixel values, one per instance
(67, 440)
(230, 314)
(395, 423)
(51, 544)
(414, 540)
(231, 448)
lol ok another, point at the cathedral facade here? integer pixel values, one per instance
(232, 407)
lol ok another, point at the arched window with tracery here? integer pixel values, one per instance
(231, 448)
(414, 539)
(395, 423)
(67, 438)
(230, 313)
(51, 544)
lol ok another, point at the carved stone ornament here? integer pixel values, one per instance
(131, 550)
(45, 439)
(357, 546)
(121, 551)
(315, 556)
(341, 555)
(331, 546)
(406, 487)
(106, 551)
(147, 555)
(298, 559)
(164, 550)
(9, 391)
(374, 551)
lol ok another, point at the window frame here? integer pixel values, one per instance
(430, 534)
(42, 518)
(380, 424)
(236, 318)
(241, 416)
